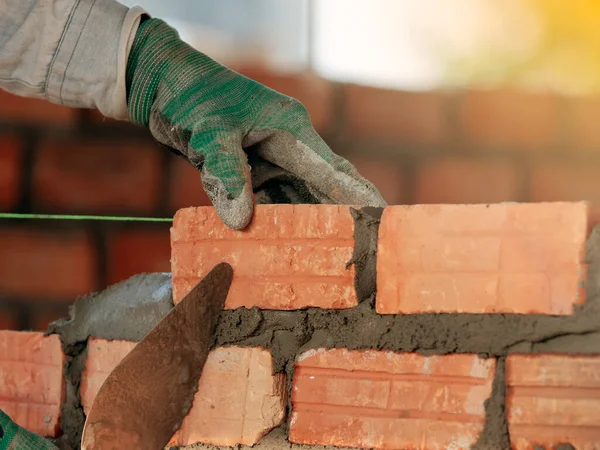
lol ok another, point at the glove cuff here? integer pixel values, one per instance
(149, 59)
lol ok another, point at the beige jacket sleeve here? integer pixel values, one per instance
(70, 52)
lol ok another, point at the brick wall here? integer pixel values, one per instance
(431, 147)
(481, 331)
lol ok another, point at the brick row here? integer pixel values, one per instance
(32, 389)
(501, 258)
(238, 399)
(375, 399)
(290, 257)
(553, 400)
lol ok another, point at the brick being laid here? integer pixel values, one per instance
(553, 399)
(32, 389)
(500, 258)
(383, 400)
(290, 257)
(238, 399)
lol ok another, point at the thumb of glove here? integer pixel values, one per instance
(226, 179)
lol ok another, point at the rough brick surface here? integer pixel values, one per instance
(98, 176)
(463, 180)
(564, 180)
(552, 400)
(290, 257)
(371, 399)
(31, 384)
(10, 173)
(238, 399)
(507, 119)
(15, 109)
(378, 114)
(138, 250)
(514, 258)
(38, 265)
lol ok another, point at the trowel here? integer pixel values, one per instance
(145, 398)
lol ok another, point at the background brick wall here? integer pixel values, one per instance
(417, 147)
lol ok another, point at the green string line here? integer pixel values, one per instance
(76, 217)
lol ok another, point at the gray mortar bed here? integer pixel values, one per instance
(130, 309)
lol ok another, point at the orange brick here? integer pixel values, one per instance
(383, 114)
(38, 265)
(510, 120)
(98, 176)
(565, 181)
(138, 250)
(502, 258)
(32, 389)
(586, 133)
(34, 111)
(466, 181)
(384, 400)
(290, 257)
(186, 186)
(552, 400)
(237, 402)
(10, 172)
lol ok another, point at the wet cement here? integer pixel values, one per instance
(288, 333)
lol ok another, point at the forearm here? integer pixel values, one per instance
(70, 52)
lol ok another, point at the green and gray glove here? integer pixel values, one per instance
(13, 437)
(226, 124)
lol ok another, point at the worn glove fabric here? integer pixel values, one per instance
(218, 118)
(13, 437)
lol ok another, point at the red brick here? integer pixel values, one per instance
(510, 120)
(134, 251)
(315, 93)
(8, 319)
(563, 181)
(388, 178)
(10, 172)
(586, 133)
(33, 111)
(502, 258)
(41, 265)
(238, 398)
(238, 401)
(552, 400)
(384, 400)
(32, 389)
(382, 114)
(112, 176)
(466, 181)
(186, 186)
(290, 256)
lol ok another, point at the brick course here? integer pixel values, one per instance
(513, 258)
(381, 400)
(290, 257)
(32, 388)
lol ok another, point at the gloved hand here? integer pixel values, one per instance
(219, 119)
(13, 437)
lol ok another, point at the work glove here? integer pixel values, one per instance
(14, 437)
(226, 124)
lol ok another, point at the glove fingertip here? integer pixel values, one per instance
(236, 213)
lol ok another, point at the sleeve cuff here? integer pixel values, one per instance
(88, 70)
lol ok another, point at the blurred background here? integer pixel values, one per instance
(468, 101)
